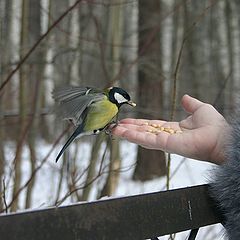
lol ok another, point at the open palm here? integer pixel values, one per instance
(199, 136)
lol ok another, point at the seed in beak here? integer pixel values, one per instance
(133, 104)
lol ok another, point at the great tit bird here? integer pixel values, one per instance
(91, 110)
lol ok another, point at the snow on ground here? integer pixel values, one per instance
(184, 172)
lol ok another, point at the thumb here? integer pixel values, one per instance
(190, 104)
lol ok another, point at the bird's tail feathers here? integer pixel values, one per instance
(75, 134)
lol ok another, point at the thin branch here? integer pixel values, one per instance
(31, 50)
(68, 194)
(4, 196)
(176, 72)
(89, 39)
(148, 42)
(99, 174)
(114, 3)
(174, 93)
(101, 46)
(39, 167)
(222, 88)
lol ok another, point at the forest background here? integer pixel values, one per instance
(157, 50)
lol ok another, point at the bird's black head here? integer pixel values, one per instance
(119, 97)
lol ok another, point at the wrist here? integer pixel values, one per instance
(218, 155)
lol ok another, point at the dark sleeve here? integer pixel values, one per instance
(225, 187)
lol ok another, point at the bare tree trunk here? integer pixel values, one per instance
(215, 68)
(5, 14)
(92, 166)
(61, 45)
(44, 124)
(93, 59)
(176, 31)
(30, 186)
(150, 163)
(60, 182)
(113, 175)
(22, 103)
(35, 79)
(190, 82)
(115, 36)
(230, 56)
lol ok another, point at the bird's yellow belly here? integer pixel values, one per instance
(99, 115)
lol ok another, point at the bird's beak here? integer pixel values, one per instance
(133, 104)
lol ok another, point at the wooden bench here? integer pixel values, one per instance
(133, 217)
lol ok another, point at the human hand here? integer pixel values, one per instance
(202, 135)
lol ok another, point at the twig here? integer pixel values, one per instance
(68, 194)
(222, 88)
(30, 121)
(168, 171)
(38, 168)
(101, 46)
(176, 71)
(4, 196)
(100, 172)
(89, 39)
(144, 48)
(31, 50)
(104, 154)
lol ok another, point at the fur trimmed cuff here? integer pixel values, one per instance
(225, 187)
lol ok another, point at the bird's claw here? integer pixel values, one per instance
(108, 129)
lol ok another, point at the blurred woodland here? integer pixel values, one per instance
(157, 50)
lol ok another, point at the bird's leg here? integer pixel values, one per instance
(110, 126)
(108, 129)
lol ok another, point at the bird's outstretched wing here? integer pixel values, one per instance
(73, 101)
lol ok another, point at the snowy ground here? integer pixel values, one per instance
(189, 172)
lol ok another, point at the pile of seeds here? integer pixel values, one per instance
(157, 128)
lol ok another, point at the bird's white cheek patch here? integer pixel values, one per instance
(120, 98)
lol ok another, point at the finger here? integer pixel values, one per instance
(168, 127)
(148, 140)
(141, 128)
(122, 128)
(186, 123)
(144, 138)
(191, 104)
(133, 121)
(139, 121)
(119, 130)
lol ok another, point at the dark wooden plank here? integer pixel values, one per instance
(135, 217)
